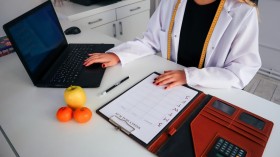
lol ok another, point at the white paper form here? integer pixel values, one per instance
(146, 108)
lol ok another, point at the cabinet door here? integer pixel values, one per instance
(109, 29)
(130, 27)
(132, 9)
(97, 19)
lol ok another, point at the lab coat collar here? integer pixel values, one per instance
(222, 24)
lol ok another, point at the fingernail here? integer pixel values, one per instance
(103, 65)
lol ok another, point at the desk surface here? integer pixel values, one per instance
(27, 113)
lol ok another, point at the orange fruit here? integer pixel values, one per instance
(82, 115)
(64, 114)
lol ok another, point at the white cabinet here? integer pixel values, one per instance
(108, 29)
(132, 26)
(131, 21)
(97, 20)
(127, 28)
(122, 22)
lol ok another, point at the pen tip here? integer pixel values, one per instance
(103, 93)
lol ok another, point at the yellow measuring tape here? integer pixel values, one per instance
(210, 32)
(208, 37)
(171, 29)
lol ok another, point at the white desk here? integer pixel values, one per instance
(27, 113)
(6, 150)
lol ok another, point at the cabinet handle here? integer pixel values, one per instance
(121, 29)
(135, 9)
(115, 30)
(92, 22)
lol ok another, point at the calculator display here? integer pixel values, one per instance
(223, 107)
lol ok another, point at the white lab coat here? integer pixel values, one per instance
(232, 57)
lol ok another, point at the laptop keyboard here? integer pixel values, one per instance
(69, 70)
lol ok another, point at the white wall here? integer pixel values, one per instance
(270, 34)
(10, 9)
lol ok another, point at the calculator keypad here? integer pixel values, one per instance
(223, 148)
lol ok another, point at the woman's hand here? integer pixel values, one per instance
(107, 59)
(171, 78)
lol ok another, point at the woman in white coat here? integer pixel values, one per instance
(227, 51)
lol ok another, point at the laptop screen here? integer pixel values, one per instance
(37, 36)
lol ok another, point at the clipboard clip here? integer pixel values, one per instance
(121, 124)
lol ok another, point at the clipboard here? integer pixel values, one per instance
(160, 140)
(199, 127)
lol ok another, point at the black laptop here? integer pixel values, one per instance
(49, 60)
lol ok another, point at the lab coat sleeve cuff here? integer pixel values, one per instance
(123, 59)
(188, 76)
(131, 50)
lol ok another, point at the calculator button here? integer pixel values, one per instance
(224, 148)
(227, 152)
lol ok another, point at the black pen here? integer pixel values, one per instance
(115, 85)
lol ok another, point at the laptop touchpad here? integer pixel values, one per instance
(91, 75)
